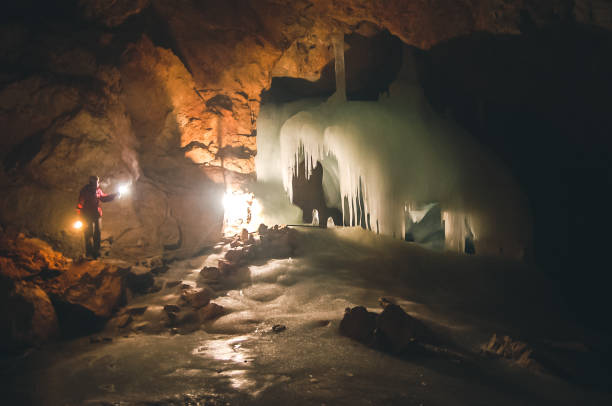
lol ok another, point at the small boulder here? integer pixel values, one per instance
(244, 235)
(226, 267)
(237, 255)
(120, 321)
(278, 328)
(396, 330)
(358, 324)
(172, 308)
(140, 279)
(517, 351)
(209, 273)
(198, 297)
(211, 311)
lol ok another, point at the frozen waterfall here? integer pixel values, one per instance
(397, 153)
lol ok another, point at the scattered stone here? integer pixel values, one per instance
(516, 351)
(120, 321)
(278, 328)
(172, 284)
(396, 331)
(226, 267)
(95, 339)
(198, 297)
(211, 311)
(137, 311)
(358, 324)
(262, 229)
(174, 331)
(244, 235)
(140, 279)
(185, 286)
(140, 326)
(172, 308)
(209, 273)
(107, 339)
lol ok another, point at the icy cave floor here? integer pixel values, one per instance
(238, 359)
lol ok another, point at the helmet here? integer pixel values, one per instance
(94, 180)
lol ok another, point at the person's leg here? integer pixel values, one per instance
(96, 237)
(88, 232)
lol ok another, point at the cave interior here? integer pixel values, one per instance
(433, 179)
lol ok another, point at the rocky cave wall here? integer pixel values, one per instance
(166, 95)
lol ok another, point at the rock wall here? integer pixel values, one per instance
(166, 94)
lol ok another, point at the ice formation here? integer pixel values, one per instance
(396, 153)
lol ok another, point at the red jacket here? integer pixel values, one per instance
(89, 201)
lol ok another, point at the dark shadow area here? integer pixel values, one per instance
(540, 101)
(308, 195)
(372, 64)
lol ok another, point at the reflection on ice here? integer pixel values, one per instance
(224, 349)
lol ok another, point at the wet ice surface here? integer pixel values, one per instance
(238, 359)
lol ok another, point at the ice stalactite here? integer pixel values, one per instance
(397, 152)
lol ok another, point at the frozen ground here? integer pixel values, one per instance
(237, 359)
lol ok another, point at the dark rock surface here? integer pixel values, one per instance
(359, 324)
(392, 330)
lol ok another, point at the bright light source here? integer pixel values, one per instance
(242, 210)
(124, 189)
(78, 225)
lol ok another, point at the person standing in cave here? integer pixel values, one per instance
(90, 212)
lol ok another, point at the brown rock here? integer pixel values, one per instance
(172, 308)
(262, 229)
(516, 351)
(120, 321)
(209, 274)
(198, 297)
(92, 285)
(244, 235)
(211, 311)
(140, 279)
(359, 324)
(27, 257)
(237, 255)
(396, 331)
(226, 267)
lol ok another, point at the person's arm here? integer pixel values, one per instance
(107, 198)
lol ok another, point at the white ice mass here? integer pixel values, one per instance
(404, 155)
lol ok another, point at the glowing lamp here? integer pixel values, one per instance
(123, 189)
(242, 210)
(78, 225)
